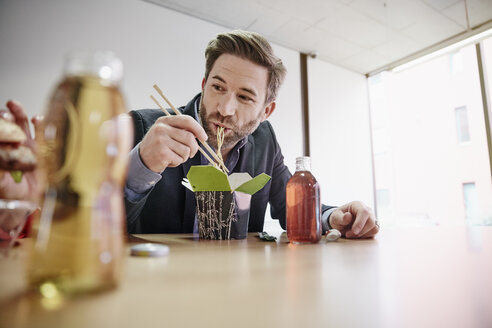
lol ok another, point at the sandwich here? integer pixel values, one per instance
(14, 155)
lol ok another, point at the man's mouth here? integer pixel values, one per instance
(217, 125)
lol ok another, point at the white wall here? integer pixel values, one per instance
(340, 133)
(287, 118)
(156, 45)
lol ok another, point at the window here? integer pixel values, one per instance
(383, 198)
(456, 61)
(418, 117)
(462, 127)
(471, 202)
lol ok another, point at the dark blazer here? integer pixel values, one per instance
(170, 207)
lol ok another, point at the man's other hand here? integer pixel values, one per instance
(354, 220)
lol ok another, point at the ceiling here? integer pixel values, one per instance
(361, 35)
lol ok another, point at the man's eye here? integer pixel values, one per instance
(245, 98)
(217, 87)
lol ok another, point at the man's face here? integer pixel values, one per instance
(233, 97)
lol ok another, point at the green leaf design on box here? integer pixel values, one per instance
(205, 178)
(254, 185)
(209, 178)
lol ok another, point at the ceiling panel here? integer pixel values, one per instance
(346, 1)
(396, 14)
(311, 14)
(430, 27)
(397, 46)
(480, 11)
(268, 21)
(360, 35)
(292, 32)
(364, 61)
(457, 13)
(335, 49)
(441, 4)
(355, 27)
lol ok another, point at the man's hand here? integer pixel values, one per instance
(28, 188)
(170, 142)
(354, 220)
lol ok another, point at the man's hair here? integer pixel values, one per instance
(250, 46)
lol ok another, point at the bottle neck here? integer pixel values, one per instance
(303, 163)
(101, 64)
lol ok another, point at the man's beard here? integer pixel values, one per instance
(236, 132)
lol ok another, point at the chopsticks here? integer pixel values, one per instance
(219, 163)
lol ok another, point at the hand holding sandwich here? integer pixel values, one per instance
(18, 166)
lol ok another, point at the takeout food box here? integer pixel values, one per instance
(223, 201)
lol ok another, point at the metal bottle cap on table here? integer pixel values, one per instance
(333, 235)
(149, 250)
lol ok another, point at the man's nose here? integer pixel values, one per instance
(227, 105)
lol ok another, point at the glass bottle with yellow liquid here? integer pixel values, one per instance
(85, 138)
(303, 205)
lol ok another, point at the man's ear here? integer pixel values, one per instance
(203, 83)
(268, 110)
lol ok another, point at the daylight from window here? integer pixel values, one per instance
(431, 158)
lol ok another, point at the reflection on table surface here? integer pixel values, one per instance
(419, 277)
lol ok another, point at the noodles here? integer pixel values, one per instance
(220, 142)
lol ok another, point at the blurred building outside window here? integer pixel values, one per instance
(430, 150)
(462, 128)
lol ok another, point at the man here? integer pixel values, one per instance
(241, 81)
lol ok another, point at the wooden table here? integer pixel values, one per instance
(419, 277)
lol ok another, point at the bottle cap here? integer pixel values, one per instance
(303, 163)
(104, 64)
(333, 235)
(149, 250)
